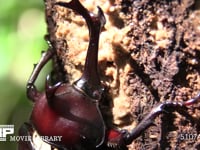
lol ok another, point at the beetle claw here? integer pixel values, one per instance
(193, 100)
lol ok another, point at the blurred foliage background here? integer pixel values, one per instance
(22, 30)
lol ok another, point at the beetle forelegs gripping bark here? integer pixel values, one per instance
(32, 92)
(123, 138)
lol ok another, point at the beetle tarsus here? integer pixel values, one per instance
(192, 101)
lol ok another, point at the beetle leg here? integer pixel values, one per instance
(89, 82)
(32, 140)
(123, 138)
(32, 92)
(26, 130)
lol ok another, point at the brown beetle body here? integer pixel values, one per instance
(78, 115)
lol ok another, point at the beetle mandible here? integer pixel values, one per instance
(72, 110)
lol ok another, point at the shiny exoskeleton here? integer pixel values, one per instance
(72, 110)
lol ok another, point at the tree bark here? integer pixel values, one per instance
(149, 52)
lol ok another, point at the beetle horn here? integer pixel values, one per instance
(89, 82)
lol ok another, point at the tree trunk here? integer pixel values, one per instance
(149, 52)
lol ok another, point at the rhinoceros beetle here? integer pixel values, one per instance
(72, 110)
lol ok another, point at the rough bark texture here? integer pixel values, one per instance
(149, 52)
